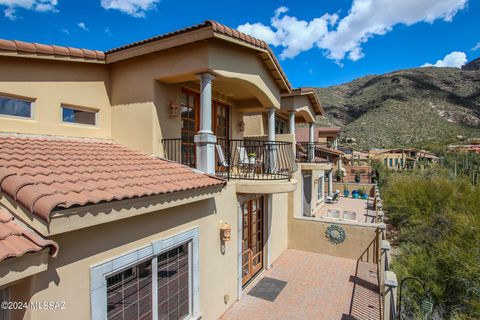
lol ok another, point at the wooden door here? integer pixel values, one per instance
(190, 122)
(252, 238)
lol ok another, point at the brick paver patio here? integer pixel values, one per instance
(318, 287)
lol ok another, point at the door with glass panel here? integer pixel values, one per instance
(252, 237)
(190, 122)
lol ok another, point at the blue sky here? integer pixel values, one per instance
(319, 43)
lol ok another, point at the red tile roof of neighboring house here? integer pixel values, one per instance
(46, 174)
(16, 239)
(85, 54)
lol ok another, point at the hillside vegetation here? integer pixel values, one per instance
(412, 107)
(436, 239)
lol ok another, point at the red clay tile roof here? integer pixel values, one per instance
(52, 50)
(46, 174)
(16, 239)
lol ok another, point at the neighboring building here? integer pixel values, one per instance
(133, 187)
(403, 158)
(465, 148)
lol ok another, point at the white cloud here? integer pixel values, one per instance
(82, 26)
(66, 31)
(476, 47)
(36, 5)
(455, 59)
(365, 19)
(108, 31)
(135, 8)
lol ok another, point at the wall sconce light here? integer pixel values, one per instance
(241, 126)
(226, 232)
(174, 108)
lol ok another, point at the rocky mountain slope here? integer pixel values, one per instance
(411, 107)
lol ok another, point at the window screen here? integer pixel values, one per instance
(72, 115)
(129, 293)
(173, 284)
(15, 107)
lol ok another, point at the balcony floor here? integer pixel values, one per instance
(365, 212)
(318, 287)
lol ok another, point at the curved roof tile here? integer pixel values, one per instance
(46, 174)
(16, 239)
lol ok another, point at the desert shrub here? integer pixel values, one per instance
(436, 219)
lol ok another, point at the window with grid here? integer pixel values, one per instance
(280, 126)
(321, 183)
(129, 292)
(189, 107)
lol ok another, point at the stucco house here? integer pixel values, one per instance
(134, 184)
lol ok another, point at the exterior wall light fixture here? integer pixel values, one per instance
(226, 232)
(174, 108)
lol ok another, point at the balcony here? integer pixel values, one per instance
(240, 159)
(313, 152)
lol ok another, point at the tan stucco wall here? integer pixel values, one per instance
(279, 225)
(68, 276)
(309, 234)
(301, 105)
(236, 62)
(50, 84)
(254, 125)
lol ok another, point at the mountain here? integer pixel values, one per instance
(411, 107)
(472, 65)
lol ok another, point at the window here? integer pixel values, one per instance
(396, 162)
(15, 107)
(159, 281)
(401, 163)
(385, 162)
(391, 162)
(280, 126)
(79, 116)
(321, 184)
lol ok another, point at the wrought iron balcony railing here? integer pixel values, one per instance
(312, 152)
(240, 159)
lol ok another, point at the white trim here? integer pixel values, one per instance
(99, 273)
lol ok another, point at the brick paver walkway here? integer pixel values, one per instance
(319, 287)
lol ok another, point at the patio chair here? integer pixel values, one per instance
(333, 213)
(222, 161)
(333, 198)
(349, 215)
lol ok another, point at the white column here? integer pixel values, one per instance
(271, 124)
(291, 119)
(330, 182)
(205, 140)
(311, 146)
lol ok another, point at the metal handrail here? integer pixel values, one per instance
(312, 152)
(240, 159)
